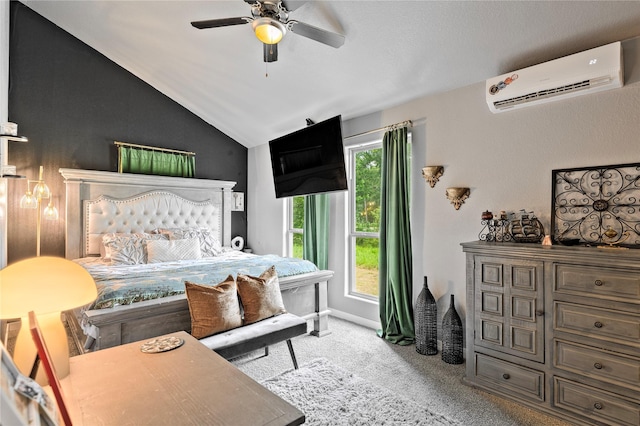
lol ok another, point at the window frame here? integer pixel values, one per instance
(291, 230)
(353, 235)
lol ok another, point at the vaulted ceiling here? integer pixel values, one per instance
(395, 51)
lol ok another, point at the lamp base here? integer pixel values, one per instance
(55, 337)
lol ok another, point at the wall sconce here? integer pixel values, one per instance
(47, 286)
(33, 200)
(457, 196)
(432, 174)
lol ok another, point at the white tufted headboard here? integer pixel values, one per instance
(100, 202)
(146, 212)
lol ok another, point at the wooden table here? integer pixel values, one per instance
(190, 385)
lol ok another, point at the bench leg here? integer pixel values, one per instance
(293, 355)
(266, 351)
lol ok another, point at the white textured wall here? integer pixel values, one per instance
(4, 107)
(266, 216)
(506, 159)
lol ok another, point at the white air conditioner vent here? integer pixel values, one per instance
(585, 72)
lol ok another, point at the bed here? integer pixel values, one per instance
(99, 203)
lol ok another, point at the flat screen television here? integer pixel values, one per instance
(310, 160)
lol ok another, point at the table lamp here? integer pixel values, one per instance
(46, 285)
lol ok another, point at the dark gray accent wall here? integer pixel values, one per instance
(72, 103)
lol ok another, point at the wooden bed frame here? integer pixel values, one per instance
(304, 295)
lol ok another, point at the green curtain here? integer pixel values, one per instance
(395, 259)
(136, 160)
(315, 230)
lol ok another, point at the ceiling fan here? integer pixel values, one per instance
(270, 22)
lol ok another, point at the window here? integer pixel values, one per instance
(295, 224)
(364, 235)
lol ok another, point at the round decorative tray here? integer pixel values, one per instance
(161, 344)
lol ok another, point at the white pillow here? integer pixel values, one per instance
(172, 250)
(209, 244)
(128, 249)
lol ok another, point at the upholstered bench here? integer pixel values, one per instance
(247, 338)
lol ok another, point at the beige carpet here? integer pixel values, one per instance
(425, 380)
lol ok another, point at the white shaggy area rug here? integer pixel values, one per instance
(330, 395)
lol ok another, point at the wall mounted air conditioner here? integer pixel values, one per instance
(586, 72)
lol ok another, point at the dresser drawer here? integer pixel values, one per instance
(610, 284)
(607, 366)
(595, 404)
(510, 378)
(606, 324)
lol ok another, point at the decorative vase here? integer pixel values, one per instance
(426, 325)
(452, 336)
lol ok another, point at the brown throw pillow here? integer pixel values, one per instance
(260, 296)
(213, 309)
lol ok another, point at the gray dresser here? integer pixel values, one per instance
(556, 328)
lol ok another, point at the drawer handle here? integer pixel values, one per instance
(597, 406)
(539, 313)
(598, 283)
(506, 376)
(598, 324)
(597, 366)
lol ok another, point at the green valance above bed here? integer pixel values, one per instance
(155, 161)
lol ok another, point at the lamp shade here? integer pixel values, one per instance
(51, 212)
(41, 190)
(28, 201)
(44, 285)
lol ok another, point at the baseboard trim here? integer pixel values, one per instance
(374, 325)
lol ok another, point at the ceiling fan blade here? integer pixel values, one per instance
(293, 4)
(215, 23)
(317, 34)
(270, 52)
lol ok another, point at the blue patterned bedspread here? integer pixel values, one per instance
(123, 285)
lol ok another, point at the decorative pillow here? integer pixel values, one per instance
(260, 296)
(213, 309)
(172, 250)
(209, 244)
(105, 252)
(128, 249)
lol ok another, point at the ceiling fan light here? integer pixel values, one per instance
(268, 31)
